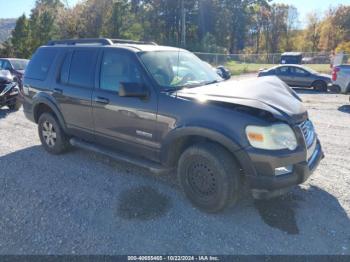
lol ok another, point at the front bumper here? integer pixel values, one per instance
(8, 99)
(266, 184)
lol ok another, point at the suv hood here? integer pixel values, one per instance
(5, 75)
(266, 93)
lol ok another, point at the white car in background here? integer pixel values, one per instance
(341, 78)
(341, 74)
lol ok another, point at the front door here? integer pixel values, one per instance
(124, 123)
(284, 74)
(301, 78)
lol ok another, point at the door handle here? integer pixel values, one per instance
(58, 91)
(102, 100)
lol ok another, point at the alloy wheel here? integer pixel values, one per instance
(49, 134)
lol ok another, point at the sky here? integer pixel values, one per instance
(15, 8)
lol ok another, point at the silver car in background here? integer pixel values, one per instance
(341, 78)
(299, 76)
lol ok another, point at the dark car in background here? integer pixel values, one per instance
(15, 66)
(9, 91)
(299, 76)
(291, 58)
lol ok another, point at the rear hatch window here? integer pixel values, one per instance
(39, 65)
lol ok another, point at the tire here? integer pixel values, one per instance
(320, 86)
(52, 137)
(15, 107)
(335, 89)
(209, 177)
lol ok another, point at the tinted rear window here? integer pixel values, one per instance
(40, 64)
(64, 75)
(82, 68)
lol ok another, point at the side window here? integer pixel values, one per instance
(40, 64)
(116, 68)
(82, 68)
(299, 71)
(64, 74)
(1, 62)
(283, 70)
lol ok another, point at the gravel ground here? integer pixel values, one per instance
(82, 203)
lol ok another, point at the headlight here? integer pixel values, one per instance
(274, 137)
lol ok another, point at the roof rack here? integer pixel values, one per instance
(101, 41)
(124, 41)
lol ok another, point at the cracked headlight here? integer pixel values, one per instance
(274, 137)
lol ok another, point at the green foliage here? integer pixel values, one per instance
(213, 26)
(343, 47)
(20, 38)
(209, 45)
(7, 49)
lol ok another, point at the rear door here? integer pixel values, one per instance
(73, 89)
(124, 123)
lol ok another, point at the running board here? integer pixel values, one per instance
(140, 162)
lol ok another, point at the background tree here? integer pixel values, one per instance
(224, 26)
(312, 34)
(20, 38)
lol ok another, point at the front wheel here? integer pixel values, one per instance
(209, 177)
(320, 86)
(51, 135)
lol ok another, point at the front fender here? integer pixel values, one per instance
(169, 145)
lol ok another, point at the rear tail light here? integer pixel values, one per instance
(335, 73)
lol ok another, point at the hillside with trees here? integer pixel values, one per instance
(6, 27)
(223, 26)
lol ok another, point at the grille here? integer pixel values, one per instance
(2, 87)
(308, 131)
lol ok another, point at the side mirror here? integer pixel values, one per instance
(223, 72)
(132, 90)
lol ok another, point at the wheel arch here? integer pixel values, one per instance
(318, 81)
(43, 103)
(180, 139)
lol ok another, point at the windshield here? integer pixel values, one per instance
(19, 64)
(178, 69)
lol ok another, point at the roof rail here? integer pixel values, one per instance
(125, 41)
(102, 41)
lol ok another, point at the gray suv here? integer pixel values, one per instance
(164, 109)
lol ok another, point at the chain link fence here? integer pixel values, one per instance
(249, 63)
(273, 59)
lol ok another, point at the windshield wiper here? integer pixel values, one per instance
(177, 88)
(211, 82)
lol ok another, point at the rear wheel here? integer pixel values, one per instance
(51, 135)
(320, 86)
(209, 177)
